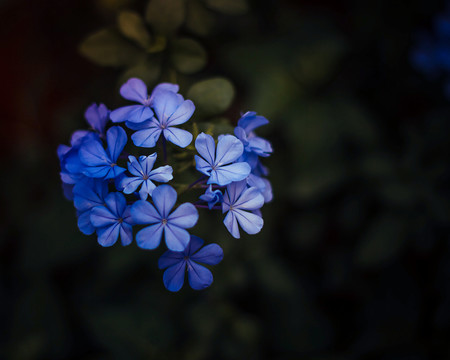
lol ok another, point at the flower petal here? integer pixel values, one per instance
(108, 235)
(176, 238)
(135, 167)
(147, 137)
(234, 190)
(132, 113)
(116, 203)
(161, 174)
(249, 222)
(202, 166)
(84, 223)
(227, 174)
(86, 197)
(185, 216)
(164, 197)
(150, 237)
(206, 147)
(97, 117)
(135, 90)
(179, 137)
(229, 148)
(195, 243)
(146, 189)
(170, 258)
(101, 216)
(147, 163)
(165, 103)
(250, 199)
(211, 254)
(126, 234)
(250, 121)
(199, 276)
(182, 114)
(93, 154)
(173, 277)
(231, 224)
(142, 212)
(130, 184)
(116, 137)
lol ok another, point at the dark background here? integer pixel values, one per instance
(353, 261)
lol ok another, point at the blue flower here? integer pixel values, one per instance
(176, 262)
(87, 195)
(170, 110)
(97, 117)
(161, 220)
(262, 184)
(71, 166)
(254, 146)
(101, 163)
(218, 164)
(212, 197)
(136, 90)
(143, 175)
(239, 200)
(113, 220)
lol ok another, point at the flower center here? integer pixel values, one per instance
(120, 220)
(164, 222)
(112, 165)
(145, 177)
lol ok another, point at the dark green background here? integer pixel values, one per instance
(353, 261)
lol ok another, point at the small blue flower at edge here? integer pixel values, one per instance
(170, 110)
(212, 197)
(240, 202)
(143, 175)
(97, 116)
(113, 220)
(161, 219)
(136, 90)
(88, 194)
(218, 164)
(176, 262)
(101, 163)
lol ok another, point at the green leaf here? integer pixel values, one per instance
(188, 56)
(199, 20)
(229, 7)
(107, 48)
(212, 96)
(132, 25)
(165, 16)
(382, 241)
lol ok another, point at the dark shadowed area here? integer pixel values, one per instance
(353, 261)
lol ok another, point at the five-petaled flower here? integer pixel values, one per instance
(143, 174)
(161, 219)
(218, 163)
(101, 163)
(170, 110)
(239, 201)
(136, 90)
(113, 220)
(176, 263)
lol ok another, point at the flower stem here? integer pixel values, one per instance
(207, 207)
(202, 178)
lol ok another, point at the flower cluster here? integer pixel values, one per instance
(431, 54)
(117, 186)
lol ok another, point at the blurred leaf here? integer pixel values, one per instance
(107, 48)
(188, 56)
(382, 241)
(199, 20)
(165, 16)
(158, 45)
(148, 71)
(212, 96)
(229, 7)
(131, 24)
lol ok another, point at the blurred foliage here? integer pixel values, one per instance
(353, 261)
